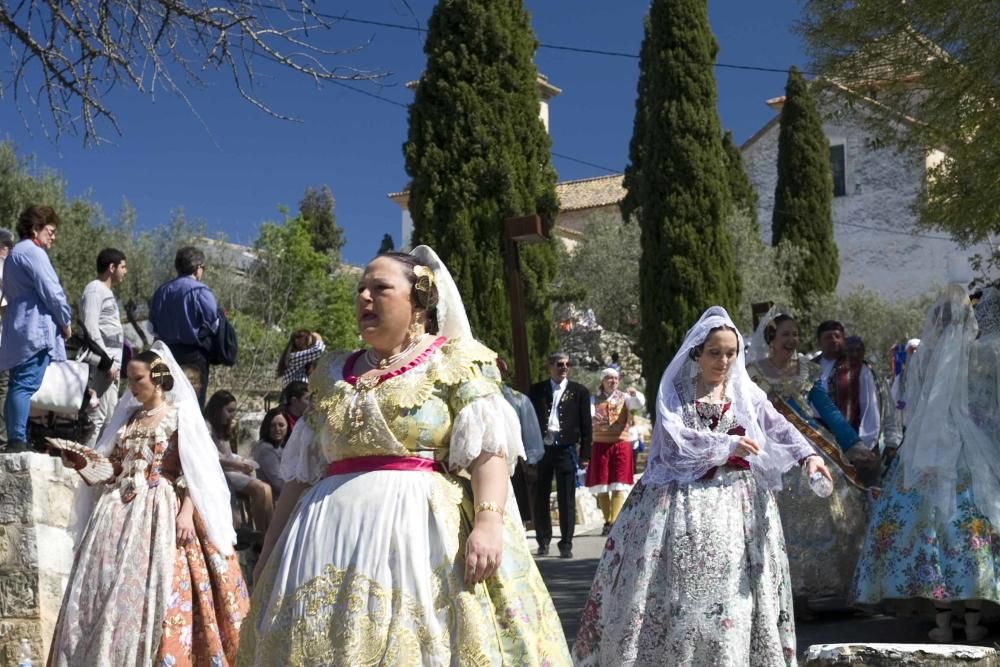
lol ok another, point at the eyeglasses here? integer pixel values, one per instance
(562, 364)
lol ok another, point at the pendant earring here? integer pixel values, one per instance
(416, 330)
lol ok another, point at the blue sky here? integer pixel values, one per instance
(237, 172)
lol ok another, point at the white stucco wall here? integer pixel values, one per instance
(874, 223)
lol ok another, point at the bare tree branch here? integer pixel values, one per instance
(79, 50)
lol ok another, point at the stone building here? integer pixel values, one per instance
(875, 189)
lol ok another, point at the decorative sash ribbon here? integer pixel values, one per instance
(376, 463)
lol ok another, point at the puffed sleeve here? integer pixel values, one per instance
(484, 420)
(302, 460)
(784, 441)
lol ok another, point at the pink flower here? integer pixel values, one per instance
(727, 623)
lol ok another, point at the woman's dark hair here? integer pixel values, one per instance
(159, 372)
(298, 341)
(265, 427)
(187, 260)
(771, 330)
(213, 415)
(425, 299)
(34, 219)
(107, 258)
(695, 352)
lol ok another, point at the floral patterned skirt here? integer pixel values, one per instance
(369, 571)
(909, 552)
(692, 574)
(135, 598)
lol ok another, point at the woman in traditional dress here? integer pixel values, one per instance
(609, 474)
(694, 570)
(822, 535)
(396, 540)
(932, 535)
(155, 580)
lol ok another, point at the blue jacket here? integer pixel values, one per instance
(180, 308)
(37, 309)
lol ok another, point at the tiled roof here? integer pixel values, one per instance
(590, 192)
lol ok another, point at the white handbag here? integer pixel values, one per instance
(63, 387)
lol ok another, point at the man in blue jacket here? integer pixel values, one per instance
(183, 311)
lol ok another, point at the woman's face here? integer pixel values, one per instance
(383, 307)
(609, 384)
(139, 381)
(718, 355)
(227, 413)
(786, 336)
(278, 429)
(46, 236)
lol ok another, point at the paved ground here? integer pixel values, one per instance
(569, 583)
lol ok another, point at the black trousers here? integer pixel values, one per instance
(195, 357)
(523, 482)
(558, 463)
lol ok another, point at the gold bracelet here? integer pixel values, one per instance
(490, 506)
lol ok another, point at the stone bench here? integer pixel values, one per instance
(900, 655)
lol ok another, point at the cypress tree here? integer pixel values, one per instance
(676, 182)
(478, 153)
(803, 196)
(743, 196)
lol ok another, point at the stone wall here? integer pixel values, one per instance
(36, 549)
(874, 223)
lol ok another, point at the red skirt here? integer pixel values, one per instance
(610, 467)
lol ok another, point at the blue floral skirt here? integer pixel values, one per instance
(910, 552)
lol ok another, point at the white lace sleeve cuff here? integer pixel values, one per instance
(302, 461)
(487, 424)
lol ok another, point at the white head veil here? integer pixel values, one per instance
(681, 452)
(451, 318)
(941, 436)
(758, 349)
(198, 454)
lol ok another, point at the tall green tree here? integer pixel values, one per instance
(478, 153)
(316, 211)
(803, 195)
(935, 62)
(742, 194)
(676, 182)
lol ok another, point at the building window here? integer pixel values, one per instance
(838, 165)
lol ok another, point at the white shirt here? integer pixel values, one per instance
(557, 392)
(101, 319)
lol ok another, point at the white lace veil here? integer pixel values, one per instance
(198, 454)
(451, 317)
(941, 435)
(758, 348)
(679, 451)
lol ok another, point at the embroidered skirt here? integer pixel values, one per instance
(692, 574)
(369, 571)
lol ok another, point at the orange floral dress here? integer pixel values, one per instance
(135, 597)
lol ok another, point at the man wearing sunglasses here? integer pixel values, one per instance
(563, 409)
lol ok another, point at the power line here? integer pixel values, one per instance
(589, 164)
(553, 47)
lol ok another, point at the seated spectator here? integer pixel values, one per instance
(294, 402)
(299, 358)
(220, 416)
(267, 451)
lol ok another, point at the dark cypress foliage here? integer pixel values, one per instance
(803, 196)
(478, 153)
(676, 181)
(742, 194)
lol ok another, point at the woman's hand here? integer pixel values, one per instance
(745, 447)
(484, 548)
(185, 525)
(815, 463)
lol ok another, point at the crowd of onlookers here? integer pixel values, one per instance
(40, 329)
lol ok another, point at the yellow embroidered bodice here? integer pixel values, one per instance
(405, 414)
(795, 385)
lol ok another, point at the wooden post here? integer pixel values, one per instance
(527, 229)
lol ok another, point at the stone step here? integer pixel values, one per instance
(900, 655)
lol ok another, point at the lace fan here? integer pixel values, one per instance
(97, 468)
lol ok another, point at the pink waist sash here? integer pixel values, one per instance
(374, 463)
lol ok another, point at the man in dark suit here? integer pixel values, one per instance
(563, 409)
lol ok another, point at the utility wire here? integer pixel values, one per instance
(553, 47)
